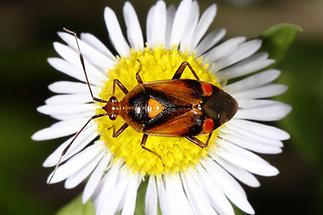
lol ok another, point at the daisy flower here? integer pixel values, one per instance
(191, 179)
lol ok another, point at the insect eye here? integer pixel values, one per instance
(113, 99)
(113, 116)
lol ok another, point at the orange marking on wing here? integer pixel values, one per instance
(207, 89)
(154, 108)
(208, 125)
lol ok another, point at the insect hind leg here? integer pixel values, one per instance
(143, 143)
(198, 142)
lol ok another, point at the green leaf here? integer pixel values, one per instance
(278, 38)
(303, 73)
(76, 207)
(140, 203)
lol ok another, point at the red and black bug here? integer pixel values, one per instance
(176, 107)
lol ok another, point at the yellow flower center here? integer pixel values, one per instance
(177, 154)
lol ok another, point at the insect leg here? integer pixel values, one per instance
(181, 69)
(199, 142)
(208, 138)
(70, 144)
(83, 66)
(143, 143)
(139, 80)
(119, 131)
(120, 85)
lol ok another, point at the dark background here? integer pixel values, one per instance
(27, 30)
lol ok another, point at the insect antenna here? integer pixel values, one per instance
(83, 66)
(70, 144)
(92, 118)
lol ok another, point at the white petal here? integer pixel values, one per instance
(162, 195)
(149, 24)
(197, 198)
(76, 163)
(98, 191)
(253, 135)
(72, 116)
(118, 191)
(97, 44)
(67, 109)
(173, 203)
(80, 176)
(70, 87)
(243, 51)
(95, 178)
(239, 173)
(253, 81)
(151, 197)
(176, 194)
(203, 24)
(230, 187)
(134, 32)
(215, 194)
(69, 99)
(158, 24)
(252, 145)
(210, 40)
(131, 195)
(91, 54)
(171, 11)
(109, 185)
(266, 113)
(261, 129)
(59, 129)
(72, 57)
(115, 32)
(224, 49)
(190, 27)
(70, 70)
(254, 103)
(180, 21)
(250, 65)
(84, 138)
(261, 92)
(245, 159)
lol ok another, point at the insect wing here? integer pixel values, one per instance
(184, 89)
(186, 124)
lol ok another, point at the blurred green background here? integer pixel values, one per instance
(27, 31)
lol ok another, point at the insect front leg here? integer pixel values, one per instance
(115, 133)
(120, 85)
(139, 80)
(181, 69)
(143, 143)
(199, 142)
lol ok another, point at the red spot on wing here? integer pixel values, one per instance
(208, 125)
(207, 89)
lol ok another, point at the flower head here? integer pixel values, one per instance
(184, 178)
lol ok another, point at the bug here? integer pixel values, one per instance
(176, 107)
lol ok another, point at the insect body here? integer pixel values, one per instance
(176, 107)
